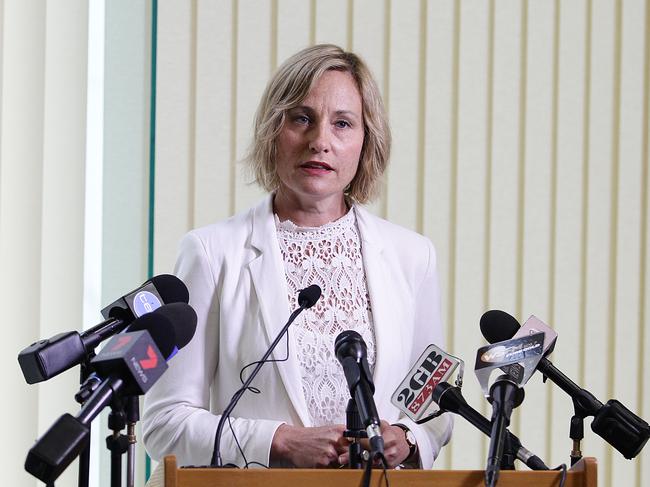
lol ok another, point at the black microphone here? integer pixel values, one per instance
(159, 290)
(505, 395)
(613, 422)
(47, 358)
(519, 357)
(179, 318)
(351, 351)
(171, 327)
(306, 299)
(450, 398)
(130, 363)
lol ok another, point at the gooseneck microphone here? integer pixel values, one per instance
(351, 351)
(306, 299)
(450, 398)
(613, 422)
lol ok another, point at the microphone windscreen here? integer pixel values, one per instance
(161, 330)
(308, 296)
(349, 343)
(497, 326)
(183, 319)
(171, 288)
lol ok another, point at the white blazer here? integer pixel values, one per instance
(236, 279)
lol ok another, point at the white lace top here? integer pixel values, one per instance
(330, 256)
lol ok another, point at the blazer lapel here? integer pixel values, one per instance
(267, 273)
(386, 305)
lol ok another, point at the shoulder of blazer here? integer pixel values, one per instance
(379, 231)
(239, 231)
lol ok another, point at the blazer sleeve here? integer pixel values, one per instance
(433, 435)
(177, 418)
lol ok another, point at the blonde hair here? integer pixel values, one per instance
(290, 86)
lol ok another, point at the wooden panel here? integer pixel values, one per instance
(583, 475)
(470, 223)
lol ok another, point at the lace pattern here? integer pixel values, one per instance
(330, 256)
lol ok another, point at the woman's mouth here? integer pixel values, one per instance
(316, 166)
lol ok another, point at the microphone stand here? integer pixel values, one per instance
(585, 404)
(85, 390)
(132, 417)
(354, 429)
(117, 443)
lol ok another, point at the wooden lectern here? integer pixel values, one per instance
(583, 474)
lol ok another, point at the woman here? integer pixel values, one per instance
(321, 144)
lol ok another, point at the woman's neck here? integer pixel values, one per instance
(309, 213)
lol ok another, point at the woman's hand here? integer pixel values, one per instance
(313, 447)
(396, 449)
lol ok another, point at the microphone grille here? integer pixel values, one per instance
(171, 288)
(308, 296)
(497, 326)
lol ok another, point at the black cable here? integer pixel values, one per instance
(563, 476)
(365, 481)
(367, 473)
(237, 441)
(254, 390)
(384, 467)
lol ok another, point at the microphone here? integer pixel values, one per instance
(505, 395)
(47, 358)
(520, 356)
(171, 327)
(613, 422)
(351, 351)
(179, 318)
(131, 363)
(159, 290)
(450, 398)
(306, 299)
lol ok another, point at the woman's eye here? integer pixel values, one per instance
(342, 124)
(302, 119)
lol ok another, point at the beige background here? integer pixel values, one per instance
(520, 148)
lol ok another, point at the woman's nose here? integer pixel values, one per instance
(319, 139)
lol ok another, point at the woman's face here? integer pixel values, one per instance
(320, 143)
